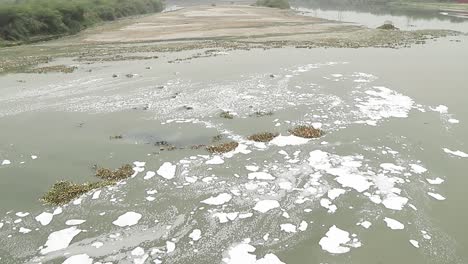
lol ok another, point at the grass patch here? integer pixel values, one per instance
(388, 26)
(282, 4)
(63, 192)
(222, 148)
(263, 137)
(119, 174)
(56, 68)
(226, 115)
(262, 113)
(306, 132)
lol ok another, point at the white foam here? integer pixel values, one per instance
(60, 239)
(395, 202)
(167, 170)
(266, 205)
(96, 195)
(127, 219)
(241, 254)
(252, 168)
(365, 224)
(216, 160)
(285, 185)
(6, 162)
(436, 196)
(288, 228)
(337, 241)
(385, 103)
(391, 167)
(138, 251)
(149, 175)
(139, 163)
(218, 200)
(260, 176)
(456, 153)
(195, 235)
(291, 140)
(417, 168)
(355, 181)
(394, 224)
(441, 109)
(325, 203)
(303, 226)
(73, 222)
(170, 246)
(22, 214)
(414, 243)
(335, 193)
(245, 215)
(97, 244)
(453, 121)
(79, 259)
(435, 181)
(24, 230)
(345, 171)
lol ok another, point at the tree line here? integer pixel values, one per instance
(24, 20)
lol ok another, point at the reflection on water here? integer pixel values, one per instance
(375, 15)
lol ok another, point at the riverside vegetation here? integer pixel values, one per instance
(34, 20)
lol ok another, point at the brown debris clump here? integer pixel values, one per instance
(222, 148)
(263, 137)
(226, 114)
(63, 192)
(306, 132)
(57, 68)
(121, 173)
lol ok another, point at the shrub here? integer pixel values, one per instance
(263, 137)
(23, 20)
(283, 4)
(223, 148)
(306, 132)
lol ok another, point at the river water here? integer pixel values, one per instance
(385, 184)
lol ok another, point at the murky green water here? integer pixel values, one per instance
(384, 111)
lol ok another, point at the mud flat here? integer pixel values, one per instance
(224, 27)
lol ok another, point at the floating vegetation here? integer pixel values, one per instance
(306, 132)
(263, 137)
(217, 138)
(116, 137)
(388, 25)
(56, 68)
(223, 148)
(63, 192)
(164, 145)
(262, 113)
(115, 58)
(226, 114)
(121, 173)
(198, 146)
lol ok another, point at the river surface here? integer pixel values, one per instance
(385, 184)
